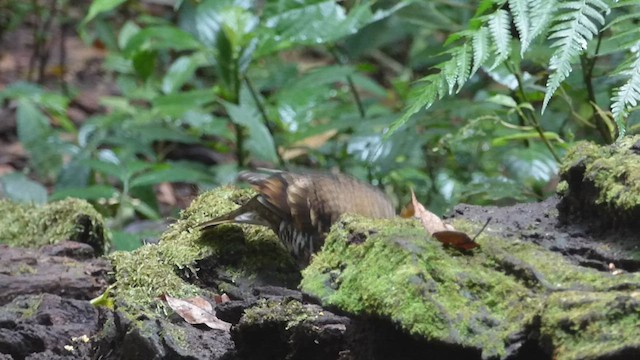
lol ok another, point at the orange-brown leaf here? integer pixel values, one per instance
(196, 310)
(444, 233)
(430, 221)
(457, 239)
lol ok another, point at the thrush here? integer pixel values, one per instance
(301, 207)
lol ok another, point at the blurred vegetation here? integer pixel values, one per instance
(462, 101)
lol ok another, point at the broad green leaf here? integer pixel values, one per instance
(179, 103)
(316, 23)
(93, 192)
(146, 210)
(169, 173)
(17, 187)
(127, 31)
(160, 38)
(39, 139)
(181, 71)
(144, 63)
(530, 165)
(99, 7)
(107, 168)
(260, 141)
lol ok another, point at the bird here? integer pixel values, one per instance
(300, 207)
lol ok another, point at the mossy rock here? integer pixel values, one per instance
(187, 262)
(28, 225)
(490, 299)
(601, 184)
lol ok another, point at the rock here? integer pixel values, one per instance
(67, 269)
(490, 300)
(602, 185)
(47, 326)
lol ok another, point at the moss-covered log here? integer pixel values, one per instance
(29, 225)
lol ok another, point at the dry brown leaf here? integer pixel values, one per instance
(221, 299)
(430, 221)
(303, 146)
(196, 310)
(444, 233)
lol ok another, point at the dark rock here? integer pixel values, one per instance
(47, 326)
(30, 271)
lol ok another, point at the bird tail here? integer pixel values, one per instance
(245, 214)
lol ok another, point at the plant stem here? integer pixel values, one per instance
(588, 64)
(531, 116)
(340, 58)
(268, 123)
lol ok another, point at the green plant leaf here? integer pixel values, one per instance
(93, 192)
(260, 141)
(181, 71)
(99, 7)
(144, 63)
(39, 139)
(17, 187)
(160, 38)
(170, 173)
(178, 103)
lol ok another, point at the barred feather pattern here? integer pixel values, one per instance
(301, 207)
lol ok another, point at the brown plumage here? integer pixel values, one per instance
(301, 207)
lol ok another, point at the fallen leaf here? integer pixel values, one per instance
(444, 233)
(303, 146)
(221, 299)
(196, 310)
(457, 239)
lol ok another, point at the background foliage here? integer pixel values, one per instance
(459, 100)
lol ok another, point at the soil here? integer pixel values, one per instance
(601, 249)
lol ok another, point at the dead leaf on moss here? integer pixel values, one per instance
(444, 233)
(196, 310)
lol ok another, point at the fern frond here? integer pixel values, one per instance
(480, 48)
(573, 28)
(463, 64)
(520, 11)
(500, 26)
(627, 96)
(431, 88)
(450, 73)
(541, 12)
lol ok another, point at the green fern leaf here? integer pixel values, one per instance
(627, 96)
(499, 24)
(541, 12)
(520, 11)
(463, 65)
(450, 73)
(573, 29)
(431, 88)
(480, 48)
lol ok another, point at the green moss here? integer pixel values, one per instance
(586, 325)
(30, 225)
(614, 171)
(480, 299)
(289, 312)
(152, 270)
(176, 333)
(29, 307)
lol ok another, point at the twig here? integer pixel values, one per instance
(531, 116)
(268, 123)
(352, 86)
